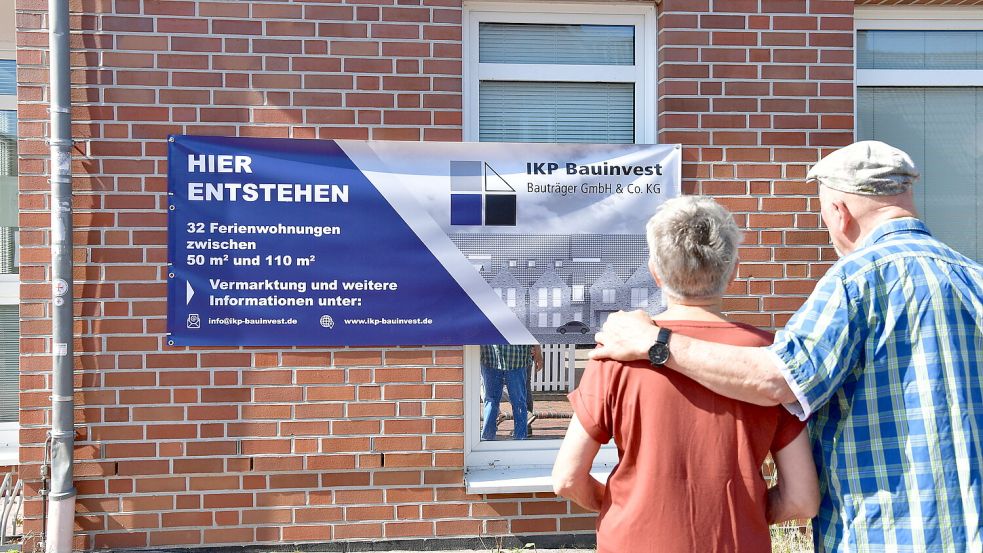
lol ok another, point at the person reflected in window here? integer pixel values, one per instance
(507, 366)
(688, 476)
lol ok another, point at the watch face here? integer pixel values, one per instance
(659, 353)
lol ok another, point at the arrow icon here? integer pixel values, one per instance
(191, 293)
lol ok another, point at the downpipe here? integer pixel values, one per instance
(61, 496)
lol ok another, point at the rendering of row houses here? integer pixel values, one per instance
(552, 283)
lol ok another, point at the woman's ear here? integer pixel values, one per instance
(654, 274)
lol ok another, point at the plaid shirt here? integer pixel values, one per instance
(506, 358)
(888, 355)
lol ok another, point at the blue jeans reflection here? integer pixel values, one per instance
(495, 380)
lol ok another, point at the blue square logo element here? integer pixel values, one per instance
(465, 209)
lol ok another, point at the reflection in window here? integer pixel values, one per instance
(608, 295)
(941, 128)
(548, 410)
(639, 297)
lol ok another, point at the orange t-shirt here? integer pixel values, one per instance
(689, 472)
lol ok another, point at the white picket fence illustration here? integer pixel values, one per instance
(559, 369)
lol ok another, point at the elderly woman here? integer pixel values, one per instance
(689, 471)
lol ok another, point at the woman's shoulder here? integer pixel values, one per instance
(724, 332)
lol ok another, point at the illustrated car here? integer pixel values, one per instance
(573, 326)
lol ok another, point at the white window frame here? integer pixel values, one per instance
(639, 297)
(642, 73)
(916, 18)
(510, 294)
(524, 466)
(9, 289)
(543, 297)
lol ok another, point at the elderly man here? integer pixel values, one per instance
(886, 356)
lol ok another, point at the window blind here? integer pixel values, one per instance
(919, 49)
(942, 130)
(8, 77)
(8, 190)
(9, 364)
(556, 44)
(517, 111)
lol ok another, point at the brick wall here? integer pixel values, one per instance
(183, 446)
(757, 91)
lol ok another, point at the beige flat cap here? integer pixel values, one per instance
(869, 168)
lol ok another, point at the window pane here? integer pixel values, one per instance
(9, 364)
(942, 130)
(920, 50)
(8, 77)
(556, 44)
(518, 111)
(8, 191)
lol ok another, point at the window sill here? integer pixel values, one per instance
(525, 479)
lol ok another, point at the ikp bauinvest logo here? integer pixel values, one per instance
(480, 196)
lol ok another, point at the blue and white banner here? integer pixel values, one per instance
(283, 242)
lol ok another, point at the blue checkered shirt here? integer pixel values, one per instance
(887, 355)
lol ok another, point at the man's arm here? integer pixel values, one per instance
(797, 494)
(742, 373)
(571, 472)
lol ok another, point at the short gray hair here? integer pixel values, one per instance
(693, 246)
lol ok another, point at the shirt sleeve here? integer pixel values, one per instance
(590, 401)
(820, 346)
(788, 428)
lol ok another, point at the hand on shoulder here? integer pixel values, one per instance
(625, 336)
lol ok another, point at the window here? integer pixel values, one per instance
(498, 292)
(9, 278)
(608, 295)
(510, 297)
(639, 297)
(578, 292)
(545, 72)
(920, 88)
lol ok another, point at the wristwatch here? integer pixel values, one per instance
(659, 352)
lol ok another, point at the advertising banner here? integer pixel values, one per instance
(283, 242)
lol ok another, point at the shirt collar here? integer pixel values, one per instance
(903, 224)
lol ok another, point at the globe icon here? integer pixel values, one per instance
(327, 321)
